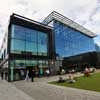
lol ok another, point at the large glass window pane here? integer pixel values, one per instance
(20, 63)
(31, 47)
(34, 63)
(42, 43)
(18, 32)
(69, 42)
(25, 63)
(17, 45)
(29, 40)
(26, 46)
(23, 33)
(31, 35)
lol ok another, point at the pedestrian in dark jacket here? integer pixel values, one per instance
(32, 75)
(2, 76)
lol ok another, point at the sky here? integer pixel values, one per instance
(84, 12)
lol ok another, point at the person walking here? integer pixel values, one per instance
(87, 72)
(47, 72)
(2, 75)
(32, 75)
(27, 76)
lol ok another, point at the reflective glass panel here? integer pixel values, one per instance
(70, 42)
(28, 40)
(17, 45)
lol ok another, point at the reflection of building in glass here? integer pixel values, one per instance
(31, 45)
(71, 41)
(70, 38)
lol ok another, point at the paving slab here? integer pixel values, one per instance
(9, 92)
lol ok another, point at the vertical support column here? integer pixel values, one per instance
(52, 67)
(12, 73)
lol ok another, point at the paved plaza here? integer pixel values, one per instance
(41, 90)
(9, 92)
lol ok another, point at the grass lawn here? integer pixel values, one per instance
(87, 83)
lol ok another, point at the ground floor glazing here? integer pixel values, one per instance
(18, 68)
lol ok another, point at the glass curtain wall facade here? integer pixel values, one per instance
(29, 42)
(70, 42)
(32, 45)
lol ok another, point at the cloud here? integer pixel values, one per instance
(84, 12)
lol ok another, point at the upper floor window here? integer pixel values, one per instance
(23, 33)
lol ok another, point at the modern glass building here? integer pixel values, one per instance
(74, 44)
(28, 47)
(31, 45)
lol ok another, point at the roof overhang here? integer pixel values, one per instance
(59, 17)
(20, 20)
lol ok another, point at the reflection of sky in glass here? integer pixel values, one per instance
(25, 39)
(97, 40)
(69, 42)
